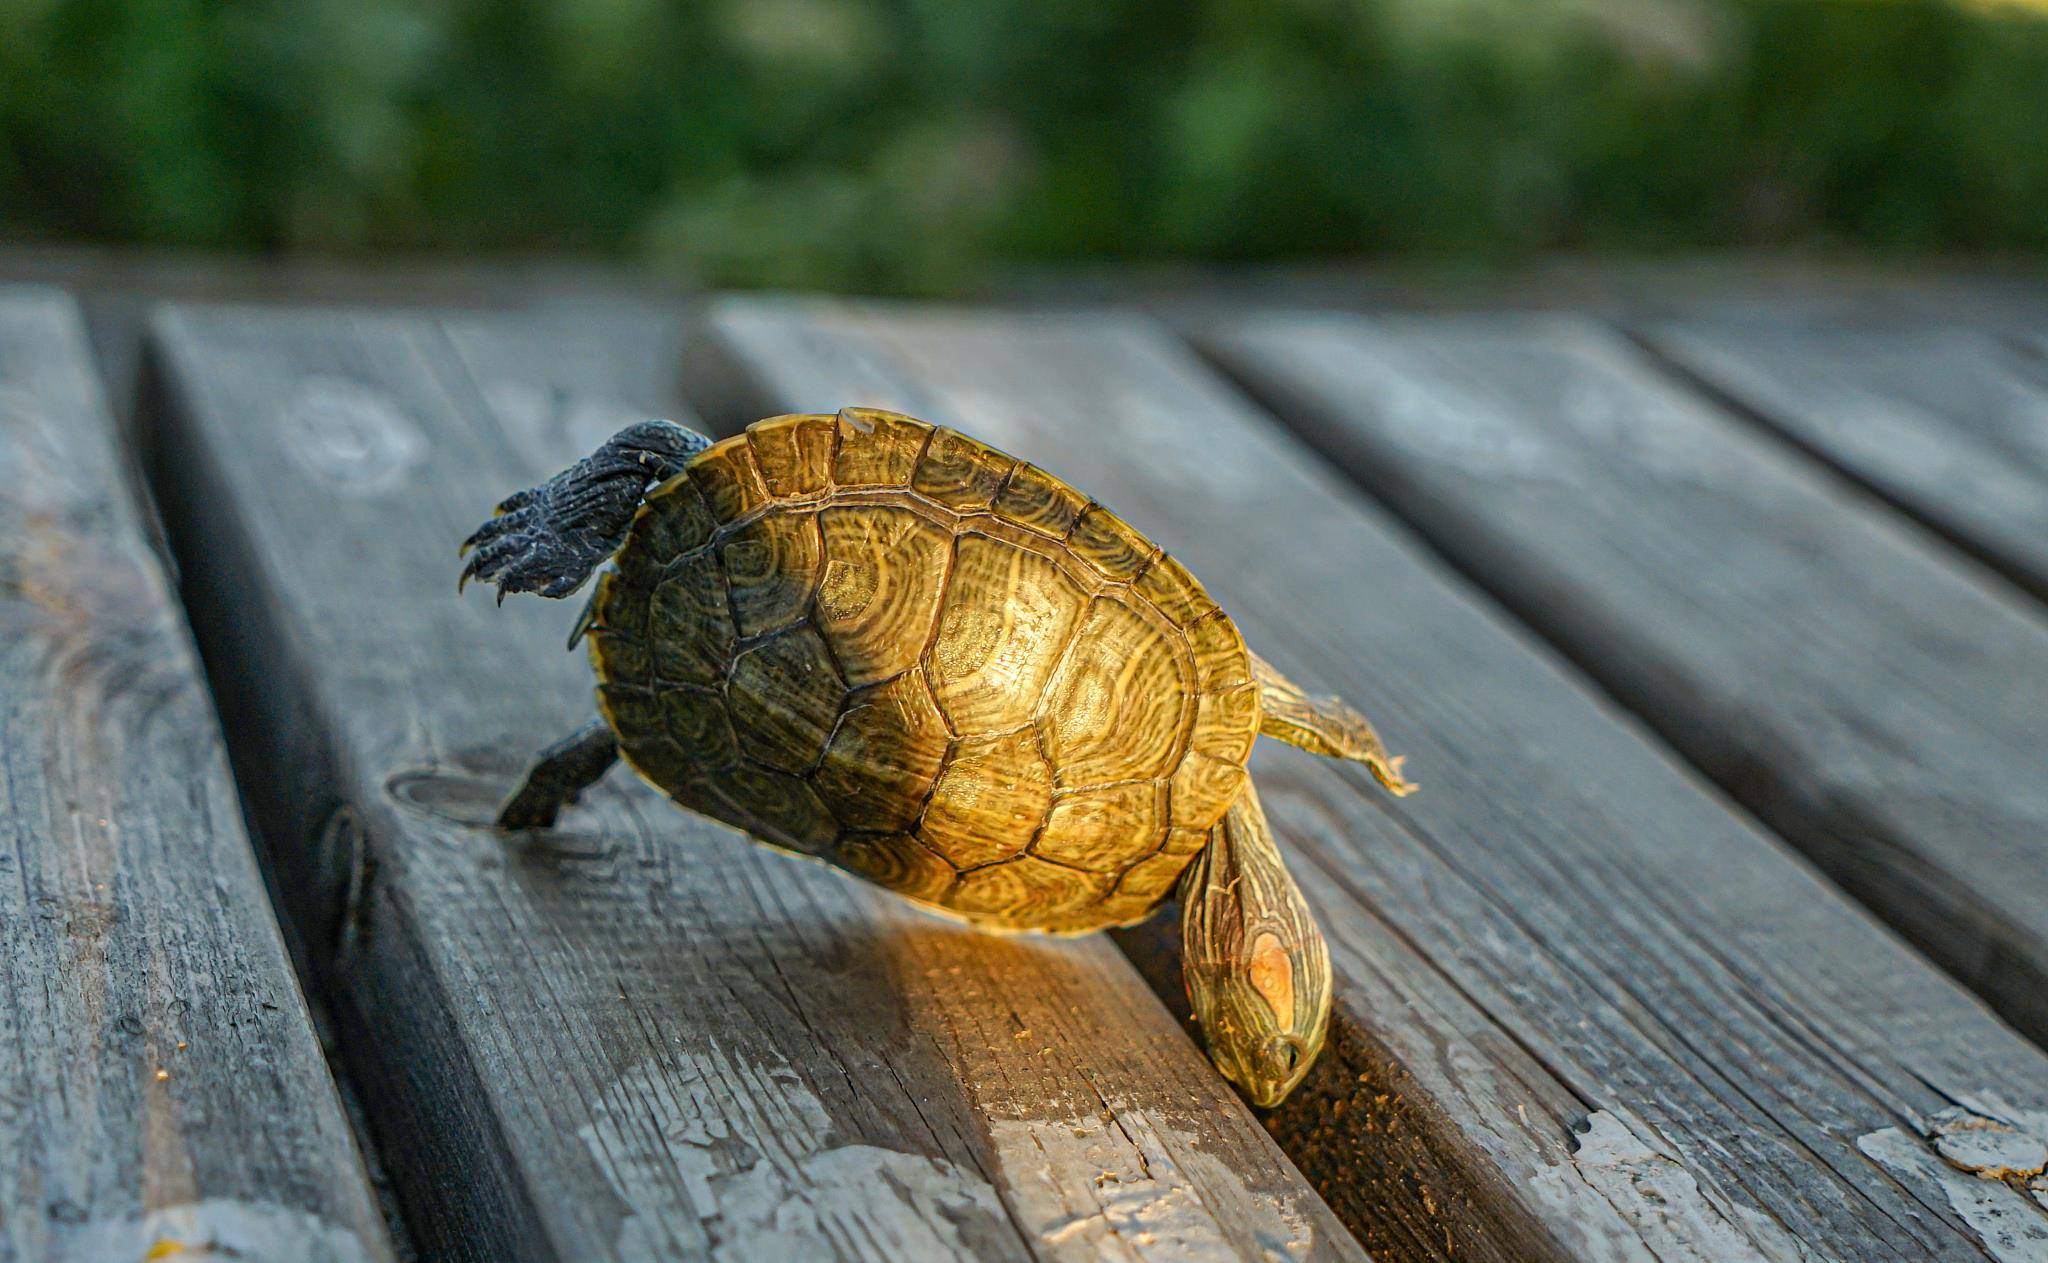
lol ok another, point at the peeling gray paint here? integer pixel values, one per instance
(1987, 1146)
(2009, 1227)
(1639, 1202)
(1144, 1204)
(694, 1183)
(217, 1228)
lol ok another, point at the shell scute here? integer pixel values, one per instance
(771, 568)
(674, 521)
(1101, 829)
(725, 475)
(877, 448)
(1111, 545)
(1008, 613)
(990, 799)
(659, 759)
(1150, 879)
(794, 453)
(689, 621)
(884, 574)
(884, 756)
(620, 656)
(785, 694)
(635, 714)
(772, 805)
(1039, 502)
(897, 861)
(697, 721)
(1117, 705)
(1227, 723)
(1221, 661)
(959, 472)
(1202, 789)
(1168, 585)
(1028, 892)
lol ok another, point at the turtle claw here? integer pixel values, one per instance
(550, 537)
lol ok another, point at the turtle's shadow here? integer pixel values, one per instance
(693, 960)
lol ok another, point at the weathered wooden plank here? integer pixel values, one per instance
(1585, 1011)
(637, 1037)
(160, 1080)
(1948, 424)
(1830, 665)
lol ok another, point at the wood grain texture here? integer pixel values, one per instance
(1949, 424)
(1584, 1010)
(160, 1080)
(1881, 705)
(636, 1037)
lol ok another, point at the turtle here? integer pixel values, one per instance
(880, 643)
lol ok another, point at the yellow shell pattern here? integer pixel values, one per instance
(883, 644)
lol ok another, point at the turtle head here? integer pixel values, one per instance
(1279, 1063)
(1249, 1040)
(1256, 966)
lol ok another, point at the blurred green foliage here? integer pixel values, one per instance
(912, 144)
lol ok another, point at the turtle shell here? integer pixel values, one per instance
(883, 644)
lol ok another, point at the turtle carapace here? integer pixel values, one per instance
(885, 645)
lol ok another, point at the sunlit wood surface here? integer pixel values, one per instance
(1713, 631)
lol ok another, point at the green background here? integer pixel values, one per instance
(923, 144)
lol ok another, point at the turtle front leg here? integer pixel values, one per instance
(566, 769)
(548, 539)
(1256, 966)
(1323, 725)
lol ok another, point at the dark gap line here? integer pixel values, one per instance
(146, 430)
(2033, 587)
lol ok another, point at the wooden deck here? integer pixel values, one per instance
(1719, 930)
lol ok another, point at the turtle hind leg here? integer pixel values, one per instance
(565, 770)
(548, 538)
(1323, 725)
(1256, 966)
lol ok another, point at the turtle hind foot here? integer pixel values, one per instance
(1325, 726)
(550, 538)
